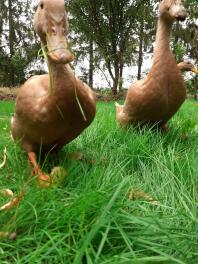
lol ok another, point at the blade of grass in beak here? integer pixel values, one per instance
(51, 81)
(195, 70)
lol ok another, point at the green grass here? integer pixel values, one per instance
(90, 218)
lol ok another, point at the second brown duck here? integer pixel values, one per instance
(158, 97)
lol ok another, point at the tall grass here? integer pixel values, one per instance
(91, 217)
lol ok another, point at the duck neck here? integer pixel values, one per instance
(162, 46)
(57, 69)
(60, 75)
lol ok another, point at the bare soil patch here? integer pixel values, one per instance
(7, 94)
(110, 97)
(7, 97)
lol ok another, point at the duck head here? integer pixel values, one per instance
(50, 23)
(172, 10)
(187, 66)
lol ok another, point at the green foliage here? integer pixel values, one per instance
(187, 35)
(178, 51)
(112, 25)
(192, 87)
(17, 41)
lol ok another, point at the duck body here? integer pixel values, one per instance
(52, 120)
(158, 97)
(51, 110)
(155, 99)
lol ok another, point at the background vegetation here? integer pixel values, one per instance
(111, 34)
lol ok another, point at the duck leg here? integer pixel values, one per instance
(44, 180)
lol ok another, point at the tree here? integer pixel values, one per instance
(109, 33)
(112, 24)
(186, 37)
(17, 43)
(145, 30)
(82, 41)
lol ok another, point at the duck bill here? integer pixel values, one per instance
(179, 11)
(195, 70)
(58, 50)
(181, 16)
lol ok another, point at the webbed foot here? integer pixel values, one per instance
(44, 180)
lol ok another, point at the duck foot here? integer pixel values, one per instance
(44, 180)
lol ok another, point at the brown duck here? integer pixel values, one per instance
(155, 99)
(52, 110)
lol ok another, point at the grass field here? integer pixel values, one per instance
(130, 199)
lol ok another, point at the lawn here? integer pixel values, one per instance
(130, 197)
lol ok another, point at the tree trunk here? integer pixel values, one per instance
(91, 61)
(116, 77)
(120, 84)
(11, 80)
(140, 56)
(115, 86)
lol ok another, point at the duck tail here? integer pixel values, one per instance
(119, 109)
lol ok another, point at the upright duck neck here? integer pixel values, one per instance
(60, 75)
(162, 46)
(55, 68)
(61, 71)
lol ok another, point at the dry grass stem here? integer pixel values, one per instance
(4, 158)
(139, 194)
(51, 80)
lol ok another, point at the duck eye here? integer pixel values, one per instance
(53, 30)
(41, 5)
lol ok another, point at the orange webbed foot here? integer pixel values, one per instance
(44, 180)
